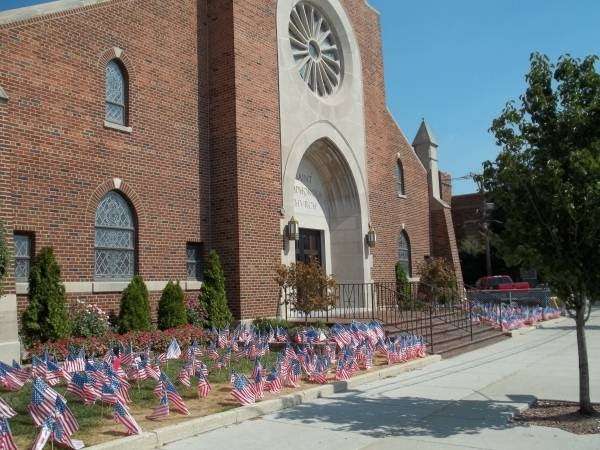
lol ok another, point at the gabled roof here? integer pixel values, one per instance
(425, 135)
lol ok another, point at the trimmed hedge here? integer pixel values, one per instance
(134, 314)
(212, 295)
(171, 307)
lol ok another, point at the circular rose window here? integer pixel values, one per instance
(315, 49)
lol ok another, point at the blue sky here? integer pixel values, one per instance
(457, 62)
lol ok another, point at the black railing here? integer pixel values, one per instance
(413, 307)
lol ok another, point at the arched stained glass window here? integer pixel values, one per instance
(404, 252)
(400, 178)
(115, 238)
(116, 93)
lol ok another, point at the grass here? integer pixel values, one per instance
(95, 421)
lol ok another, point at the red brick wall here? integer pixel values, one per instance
(6, 200)
(384, 142)
(446, 187)
(467, 213)
(64, 158)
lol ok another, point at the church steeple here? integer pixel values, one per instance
(426, 147)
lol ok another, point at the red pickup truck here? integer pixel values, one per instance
(500, 282)
(501, 288)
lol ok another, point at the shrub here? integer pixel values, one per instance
(171, 307)
(263, 324)
(4, 256)
(89, 320)
(156, 341)
(212, 297)
(308, 287)
(46, 317)
(134, 314)
(196, 315)
(437, 281)
(402, 284)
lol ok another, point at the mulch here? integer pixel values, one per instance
(560, 414)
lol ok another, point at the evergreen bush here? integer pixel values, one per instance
(134, 314)
(171, 308)
(46, 317)
(402, 284)
(212, 295)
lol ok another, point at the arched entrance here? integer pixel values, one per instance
(327, 204)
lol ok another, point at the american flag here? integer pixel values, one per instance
(124, 417)
(45, 432)
(39, 368)
(56, 373)
(177, 402)
(174, 350)
(162, 410)
(274, 383)
(108, 394)
(213, 353)
(6, 439)
(75, 362)
(258, 385)
(19, 372)
(43, 399)
(204, 386)
(9, 380)
(342, 373)
(294, 373)
(184, 376)
(242, 391)
(258, 368)
(6, 412)
(65, 417)
(61, 436)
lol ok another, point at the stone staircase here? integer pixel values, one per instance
(448, 340)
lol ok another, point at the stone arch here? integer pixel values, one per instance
(323, 168)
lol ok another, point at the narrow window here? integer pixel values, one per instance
(22, 256)
(400, 178)
(404, 253)
(115, 239)
(194, 261)
(116, 93)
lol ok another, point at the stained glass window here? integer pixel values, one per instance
(22, 257)
(194, 261)
(115, 239)
(400, 178)
(115, 93)
(404, 253)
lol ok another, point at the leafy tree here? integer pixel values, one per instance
(308, 287)
(546, 179)
(46, 317)
(134, 314)
(4, 256)
(213, 296)
(171, 307)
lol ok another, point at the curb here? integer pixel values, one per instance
(194, 427)
(544, 324)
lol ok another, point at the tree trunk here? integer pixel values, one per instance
(585, 404)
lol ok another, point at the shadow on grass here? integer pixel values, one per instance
(408, 416)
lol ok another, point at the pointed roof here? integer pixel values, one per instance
(425, 135)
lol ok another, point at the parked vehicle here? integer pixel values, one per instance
(502, 289)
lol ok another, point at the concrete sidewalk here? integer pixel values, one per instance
(464, 402)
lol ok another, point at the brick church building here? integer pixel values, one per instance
(136, 135)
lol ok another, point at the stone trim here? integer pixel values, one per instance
(105, 287)
(48, 11)
(117, 127)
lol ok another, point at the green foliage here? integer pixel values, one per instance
(171, 308)
(308, 287)
(134, 314)
(212, 295)
(89, 321)
(264, 325)
(4, 256)
(402, 283)
(46, 317)
(437, 281)
(547, 176)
